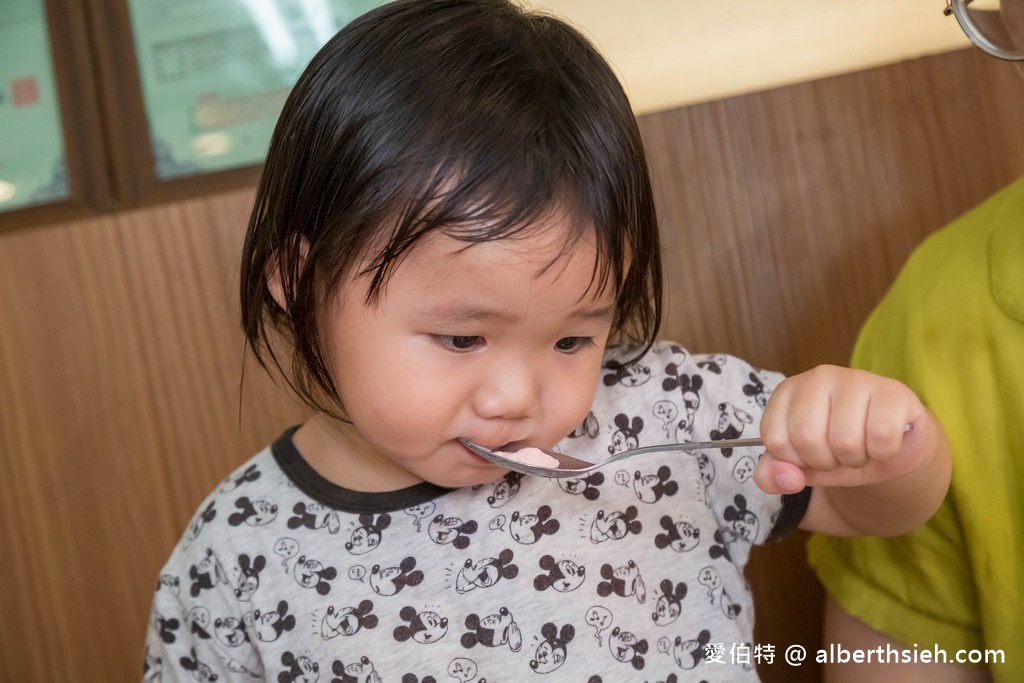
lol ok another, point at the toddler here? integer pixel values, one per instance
(455, 237)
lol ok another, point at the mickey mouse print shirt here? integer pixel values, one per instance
(632, 573)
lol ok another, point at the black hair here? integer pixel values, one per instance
(474, 117)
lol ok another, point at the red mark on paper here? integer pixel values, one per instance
(24, 91)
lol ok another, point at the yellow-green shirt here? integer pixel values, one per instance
(952, 328)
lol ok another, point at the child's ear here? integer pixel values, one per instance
(275, 278)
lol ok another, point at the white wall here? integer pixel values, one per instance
(671, 53)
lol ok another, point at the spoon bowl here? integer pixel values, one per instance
(567, 467)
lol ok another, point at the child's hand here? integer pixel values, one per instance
(834, 426)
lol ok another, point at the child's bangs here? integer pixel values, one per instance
(484, 205)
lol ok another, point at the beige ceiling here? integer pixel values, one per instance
(675, 52)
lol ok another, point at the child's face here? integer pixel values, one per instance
(497, 341)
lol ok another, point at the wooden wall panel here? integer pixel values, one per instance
(786, 214)
(789, 211)
(121, 410)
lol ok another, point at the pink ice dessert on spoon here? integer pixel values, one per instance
(530, 456)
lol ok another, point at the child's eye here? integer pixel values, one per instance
(455, 343)
(571, 344)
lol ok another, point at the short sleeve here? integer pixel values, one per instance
(671, 395)
(181, 646)
(917, 588)
(197, 628)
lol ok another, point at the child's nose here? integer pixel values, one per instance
(512, 392)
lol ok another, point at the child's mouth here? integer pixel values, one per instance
(510, 444)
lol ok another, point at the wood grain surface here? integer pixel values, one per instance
(786, 214)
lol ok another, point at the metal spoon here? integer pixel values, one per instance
(569, 466)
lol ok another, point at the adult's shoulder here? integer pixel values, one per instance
(962, 255)
(1006, 251)
(964, 279)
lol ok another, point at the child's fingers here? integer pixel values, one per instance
(887, 420)
(847, 424)
(795, 428)
(776, 477)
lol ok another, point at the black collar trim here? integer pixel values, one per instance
(307, 480)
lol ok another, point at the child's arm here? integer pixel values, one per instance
(844, 432)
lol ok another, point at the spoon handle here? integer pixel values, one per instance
(694, 446)
(684, 446)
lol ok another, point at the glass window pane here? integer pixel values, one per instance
(215, 73)
(33, 163)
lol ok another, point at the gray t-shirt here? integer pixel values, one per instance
(632, 573)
